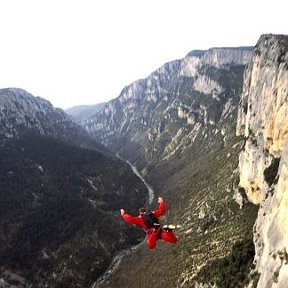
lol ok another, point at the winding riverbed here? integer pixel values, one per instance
(118, 257)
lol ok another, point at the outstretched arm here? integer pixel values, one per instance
(161, 209)
(128, 218)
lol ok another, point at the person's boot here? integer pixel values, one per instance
(170, 227)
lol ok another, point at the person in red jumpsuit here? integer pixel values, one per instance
(155, 233)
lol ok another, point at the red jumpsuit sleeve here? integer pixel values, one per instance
(131, 220)
(161, 209)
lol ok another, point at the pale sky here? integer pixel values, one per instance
(79, 52)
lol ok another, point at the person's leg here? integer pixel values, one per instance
(168, 236)
(151, 240)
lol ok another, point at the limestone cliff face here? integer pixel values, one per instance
(263, 163)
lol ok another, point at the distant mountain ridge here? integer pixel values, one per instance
(84, 112)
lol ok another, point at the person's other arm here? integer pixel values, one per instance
(129, 219)
(161, 209)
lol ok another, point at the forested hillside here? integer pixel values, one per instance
(60, 198)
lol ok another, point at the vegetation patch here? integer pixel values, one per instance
(59, 210)
(232, 270)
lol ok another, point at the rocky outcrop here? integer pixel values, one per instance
(18, 107)
(20, 110)
(263, 164)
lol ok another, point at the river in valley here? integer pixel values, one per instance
(118, 257)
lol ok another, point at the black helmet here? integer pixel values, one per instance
(142, 211)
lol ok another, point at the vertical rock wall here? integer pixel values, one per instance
(263, 163)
